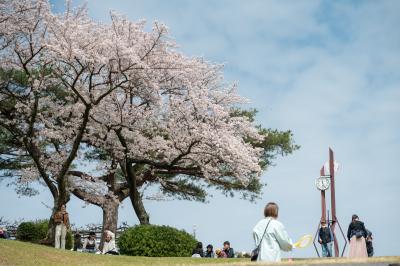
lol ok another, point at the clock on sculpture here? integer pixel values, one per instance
(323, 182)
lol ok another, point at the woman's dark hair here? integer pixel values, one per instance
(354, 217)
(271, 210)
(92, 233)
(199, 245)
(210, 246)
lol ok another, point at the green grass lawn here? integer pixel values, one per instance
(21, 253)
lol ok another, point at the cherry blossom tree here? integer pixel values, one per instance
(163, 118)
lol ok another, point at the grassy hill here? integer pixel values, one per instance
(21, 253)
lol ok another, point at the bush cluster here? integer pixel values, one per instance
(26, 231)
(156, 241)
(34, 231)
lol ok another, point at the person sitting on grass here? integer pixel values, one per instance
(198, 251)
(220, 253)
(109, 244)
(77, 242)
(209, 252)
(3, 233)
(90, 244)
(228, 250)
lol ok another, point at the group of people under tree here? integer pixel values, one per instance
(61, 219)
(225, 252)
(269, 234)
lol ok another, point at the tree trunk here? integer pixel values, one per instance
(49, 240)
(130, 176)
(138, 206)
(110, 217)
(134, 194)
(63, 194)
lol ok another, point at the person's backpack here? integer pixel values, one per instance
(58, 217)
(359, 233)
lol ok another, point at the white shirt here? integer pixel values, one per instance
(276, 239)
(110, 245)
(90, 242)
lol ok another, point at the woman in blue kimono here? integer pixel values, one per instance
(272, 235)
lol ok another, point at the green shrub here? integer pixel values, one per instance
(32, 231)
(41, 229)
(26, 231)
(156, 241)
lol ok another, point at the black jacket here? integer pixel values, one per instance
(354, 227)
(325, 234)
(208, 254)
(229, 253)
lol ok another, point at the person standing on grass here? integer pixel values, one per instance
(356, 234)
(62, 225)
(325, 238)
(228, 250)
(272, 235)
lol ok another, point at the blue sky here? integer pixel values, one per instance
(327, 70)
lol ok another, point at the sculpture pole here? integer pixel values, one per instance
(322, 185)
(333, 200)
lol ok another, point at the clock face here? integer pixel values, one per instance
(323, 183)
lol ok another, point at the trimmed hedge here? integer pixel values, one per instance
(156, 241)
(26, 231)
(36, 231)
